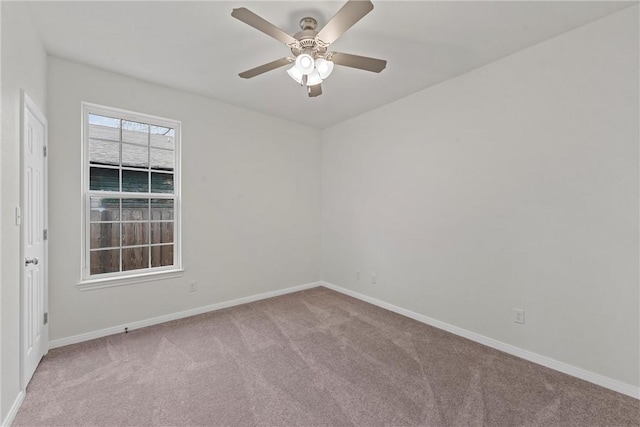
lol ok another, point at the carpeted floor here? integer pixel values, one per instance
(310, 358)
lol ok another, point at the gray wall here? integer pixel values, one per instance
(512, 186)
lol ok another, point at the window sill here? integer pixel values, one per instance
(109, 282)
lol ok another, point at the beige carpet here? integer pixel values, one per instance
(311, 358)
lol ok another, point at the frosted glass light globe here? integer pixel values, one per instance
(324, 67)
(305, 63)
(295, 74)
(314, 78)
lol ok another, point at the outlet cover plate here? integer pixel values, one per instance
(518, 315)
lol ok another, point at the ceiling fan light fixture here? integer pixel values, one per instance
(312, 61)
(305, 63)
(314, 78)
(324, 67)
(295, 74)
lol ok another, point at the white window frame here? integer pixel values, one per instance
(89, 281)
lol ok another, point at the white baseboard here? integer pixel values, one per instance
(565, 368)
(14, 410)
(174, 316)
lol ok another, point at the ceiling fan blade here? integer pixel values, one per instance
(265, 67)
(349, 14)
(315, 90)
(245, 15)
(356, 61)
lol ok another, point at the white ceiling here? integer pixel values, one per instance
(200, 48)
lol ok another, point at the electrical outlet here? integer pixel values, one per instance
(357, 274)
(374, 279)
(193, 286)
(518, 315)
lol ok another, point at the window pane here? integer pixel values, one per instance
(161, 209)
(135, 133)
(135, 156)
(135, 258)
(137, 181)
(105, 261)
(104, 152)
(161, 255)
(161, 159)
(135, 209)
(162, 137)
(103, 209)
(104, 127)
(162, 232)
(105, 235)
(135, 233)
(104, 179)
(161, 182)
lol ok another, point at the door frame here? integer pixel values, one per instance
(27, 105)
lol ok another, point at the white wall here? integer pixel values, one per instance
(251, 202)
(24, 64)
(512, 186)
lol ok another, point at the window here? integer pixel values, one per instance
(131, 184)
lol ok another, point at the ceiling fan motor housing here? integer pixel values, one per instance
(307, 43)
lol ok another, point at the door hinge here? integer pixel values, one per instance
(44, 150)
(46, 318)
(45, 234)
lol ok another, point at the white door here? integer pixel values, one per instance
(34, 238)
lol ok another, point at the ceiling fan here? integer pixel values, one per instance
(312, 62)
